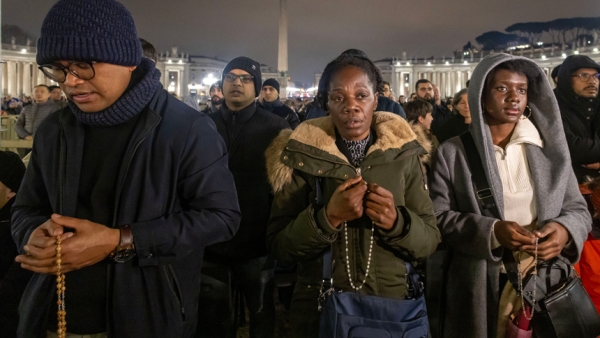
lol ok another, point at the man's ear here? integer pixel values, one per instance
(132, 68)
(420, 119)
(11, 194)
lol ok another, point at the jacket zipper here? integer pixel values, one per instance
(120, 188)
(117, 200)
(176, 289)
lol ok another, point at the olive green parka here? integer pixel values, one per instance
(298, 229)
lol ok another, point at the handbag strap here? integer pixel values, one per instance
(486, 201)
(327, 259)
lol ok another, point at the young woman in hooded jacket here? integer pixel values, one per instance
(376, 211)
(518, 134)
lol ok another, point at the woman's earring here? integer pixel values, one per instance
(524, 116)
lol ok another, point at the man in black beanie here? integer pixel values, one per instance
(577, 96)
(13, 278)
(248, 131)
(272, 103)
(133, 181)
(216, 98)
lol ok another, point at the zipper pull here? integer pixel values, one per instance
(358, 171)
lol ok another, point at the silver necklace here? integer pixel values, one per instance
(348, 257)
(520, 280)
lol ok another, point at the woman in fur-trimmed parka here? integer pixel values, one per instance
(374, 192)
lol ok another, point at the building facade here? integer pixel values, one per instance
(185, 75)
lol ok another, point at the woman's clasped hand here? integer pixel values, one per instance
(356, 197)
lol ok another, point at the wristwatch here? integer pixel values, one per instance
(126, 249)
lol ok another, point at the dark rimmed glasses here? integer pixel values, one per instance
(585, 77)
(243, 78)
(80, 69)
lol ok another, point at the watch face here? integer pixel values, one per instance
(124, 256)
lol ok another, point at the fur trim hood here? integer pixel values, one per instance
(393, 132)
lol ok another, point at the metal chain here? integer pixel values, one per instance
(520, 280)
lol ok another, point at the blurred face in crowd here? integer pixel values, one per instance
(425, 91)
(56, 94)
(216, 95)
(585, 87)
(5, 195)
(505, 97)
(463, 106)
(387, 92)
(41, 94)
(436, 91)
(426, 121)
(351, 102)
(269, 93)
(105, 88)
(238, 94)
(402, 99)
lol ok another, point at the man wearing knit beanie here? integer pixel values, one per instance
(215, 93)
(248, 131)
(272, 103)
(133, 181)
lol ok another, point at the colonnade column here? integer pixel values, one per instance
(12, 77)
(27, 79)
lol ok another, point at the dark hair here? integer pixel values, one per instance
(355, 52)
(386, 83)
(341, 62)
(554, 73)
(419, 82)
(516, 66)
(417, 108)
(148, 50)
(42, 85)
(51, 88)
(458, 96)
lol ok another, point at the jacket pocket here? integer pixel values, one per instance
(175, 288)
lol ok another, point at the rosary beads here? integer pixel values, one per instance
(60, 291)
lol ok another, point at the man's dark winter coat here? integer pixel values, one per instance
(580, 117)
(248, 133)
(389, 105)
(13, 278)
(282, 111)
(440, 115)
(175, 190)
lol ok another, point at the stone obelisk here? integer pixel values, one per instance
(282, 58)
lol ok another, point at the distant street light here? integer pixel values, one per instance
(209, 80)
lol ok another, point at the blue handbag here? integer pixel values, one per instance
(353, 315)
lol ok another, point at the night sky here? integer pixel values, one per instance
(318, 29)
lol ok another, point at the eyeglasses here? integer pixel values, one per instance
(81, 70)
(243, 78)
(585, 77)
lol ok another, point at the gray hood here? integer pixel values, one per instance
(552, 178)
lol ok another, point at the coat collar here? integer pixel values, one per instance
(318, 137)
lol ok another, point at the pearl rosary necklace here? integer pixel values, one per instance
(348, 257)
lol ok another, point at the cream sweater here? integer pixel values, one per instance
(517, 188)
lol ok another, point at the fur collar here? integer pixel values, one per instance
(392, 131)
